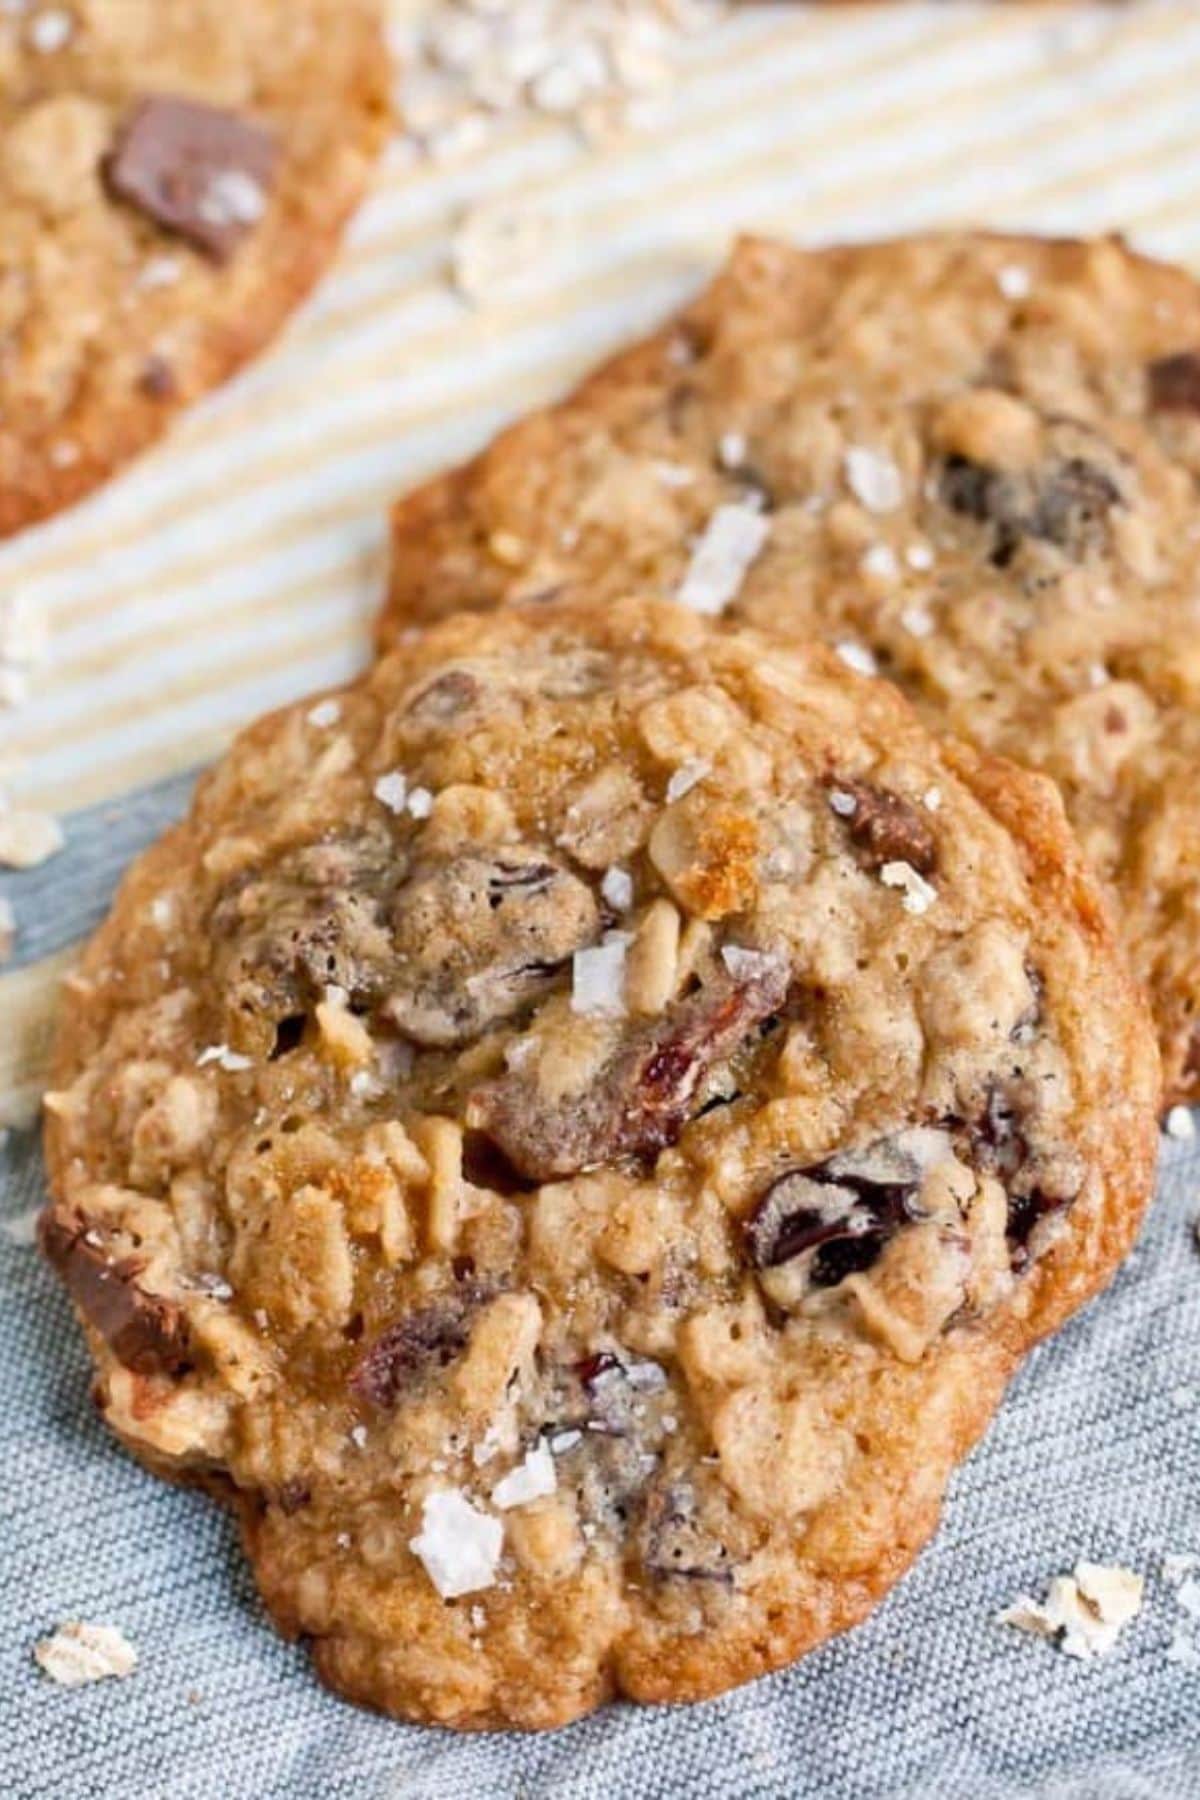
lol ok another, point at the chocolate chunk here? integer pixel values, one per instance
(428, 1338)
(844, 1210)
(479, 938)
(882, 827)
(999, 1142)
(1065, 500)
(316, 917)
(144, 1332)
(644, 1095)
(1174, 382)
(1024, 1212)
(197, 170)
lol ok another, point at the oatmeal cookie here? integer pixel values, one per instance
(970, 460)
(174, 175)
(572, 1135)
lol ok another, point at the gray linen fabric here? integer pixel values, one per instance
(1096, 1454)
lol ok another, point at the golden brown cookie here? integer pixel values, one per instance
(572, 1135)
(174, 176)
(972, 461)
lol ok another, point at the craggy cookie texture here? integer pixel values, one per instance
(174, 175)
(572, 1135)
(972, 459)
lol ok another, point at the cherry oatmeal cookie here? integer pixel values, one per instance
(971, 461)
(572, 1135)
(174, 175)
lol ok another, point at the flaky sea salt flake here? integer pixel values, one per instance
(391, 790)
(598, 975)
(873, 478)
(532, 1479)
(730, 543)
(458, 1546)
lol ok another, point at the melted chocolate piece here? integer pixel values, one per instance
(200, 171)
(642, 1098)
(884, 828)
(844, 1209)
(1000, 1146)
(1174, 382)
(1064, 500)
(144, 1332)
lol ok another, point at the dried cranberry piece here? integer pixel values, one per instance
(430, 1337)
(590, 1368)
(643, 1097)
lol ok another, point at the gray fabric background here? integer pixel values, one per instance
(1096, 1454)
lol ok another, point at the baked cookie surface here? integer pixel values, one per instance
(174, 175)
(972, 459)
(572, 1135)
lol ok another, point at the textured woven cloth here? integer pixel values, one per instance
(1096, 1454)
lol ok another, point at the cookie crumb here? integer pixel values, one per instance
(78, 1653)
(731, 541)
(1084, 1613)
(1180, 1125)
(28, 839)
(473, 67)
(22, 1230)
(458, 1546)
(499, 249)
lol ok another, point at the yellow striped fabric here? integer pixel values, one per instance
(238, 565)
